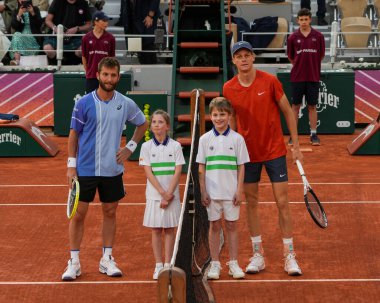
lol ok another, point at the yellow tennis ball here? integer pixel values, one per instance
(146, 112)
(147, 106)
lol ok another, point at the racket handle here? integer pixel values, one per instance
(300, 168)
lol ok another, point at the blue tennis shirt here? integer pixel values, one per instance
(99, 125)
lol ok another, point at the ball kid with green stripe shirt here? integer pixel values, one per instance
(162, 159)
(221, 156)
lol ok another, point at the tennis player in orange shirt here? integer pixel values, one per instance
(258, 98)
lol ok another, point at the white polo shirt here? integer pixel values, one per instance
(222, 153)
(162, 158)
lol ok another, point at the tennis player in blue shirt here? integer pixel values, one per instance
(96, 159)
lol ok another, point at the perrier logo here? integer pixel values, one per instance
(10, 138)
(325, 99)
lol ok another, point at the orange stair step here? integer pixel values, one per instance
(199, 69)
(187, 118)
(199, 45)
(185, 141)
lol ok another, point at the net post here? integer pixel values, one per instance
(171, 285)
(201, 109)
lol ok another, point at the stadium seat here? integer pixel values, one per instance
(376, 4)
(352, 8)
(356, 24)
(279, 39)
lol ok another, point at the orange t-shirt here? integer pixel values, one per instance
(258, 115)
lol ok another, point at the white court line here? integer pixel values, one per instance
(364, 115)
(369, 77)
(296, 280)
(367, 89)
(143, 203)
(367, 103)
(182, 184)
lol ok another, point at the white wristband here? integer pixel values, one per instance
(131, 145)
(72, 162)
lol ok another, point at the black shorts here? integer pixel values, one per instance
(308, 89)
(276, 170)
(110, 189)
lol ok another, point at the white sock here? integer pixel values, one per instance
(313, 132)
(289, 243)
(256, 243)
(74, 254)
(159, 265)
(167, 265)
(107, 252)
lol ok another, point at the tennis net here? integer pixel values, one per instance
(191, 250)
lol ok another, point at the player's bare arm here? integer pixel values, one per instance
(72, 153)
(238, 198)
(174, 182)
(292, 127)
(124, 153)
(205, 198)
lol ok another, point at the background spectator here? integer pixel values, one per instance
(321, 12)
(43, 5)
(75, 16)
(140, 18)
(25, 20)
(6, 10)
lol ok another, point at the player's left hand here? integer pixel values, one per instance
(122, 155)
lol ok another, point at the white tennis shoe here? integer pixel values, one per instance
(214, 272)
(291, 265)
(156, 272)
(256, 264)
(72, 271)
(109, 267)
(235, 271)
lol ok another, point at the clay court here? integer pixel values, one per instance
(340, 263)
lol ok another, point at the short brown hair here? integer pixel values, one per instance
(109, 62)
(304, 12)
(221, 104)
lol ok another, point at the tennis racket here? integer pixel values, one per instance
(73, 199)
(312, 202)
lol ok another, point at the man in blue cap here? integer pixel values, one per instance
(96, 45)
(258, 98)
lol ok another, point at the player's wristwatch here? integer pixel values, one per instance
(131, 145)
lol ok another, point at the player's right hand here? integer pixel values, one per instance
(71, 174)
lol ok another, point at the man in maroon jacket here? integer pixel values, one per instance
(306, 50)
(96, 45)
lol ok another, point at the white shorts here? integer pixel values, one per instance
(155, 216)
(217, 207)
